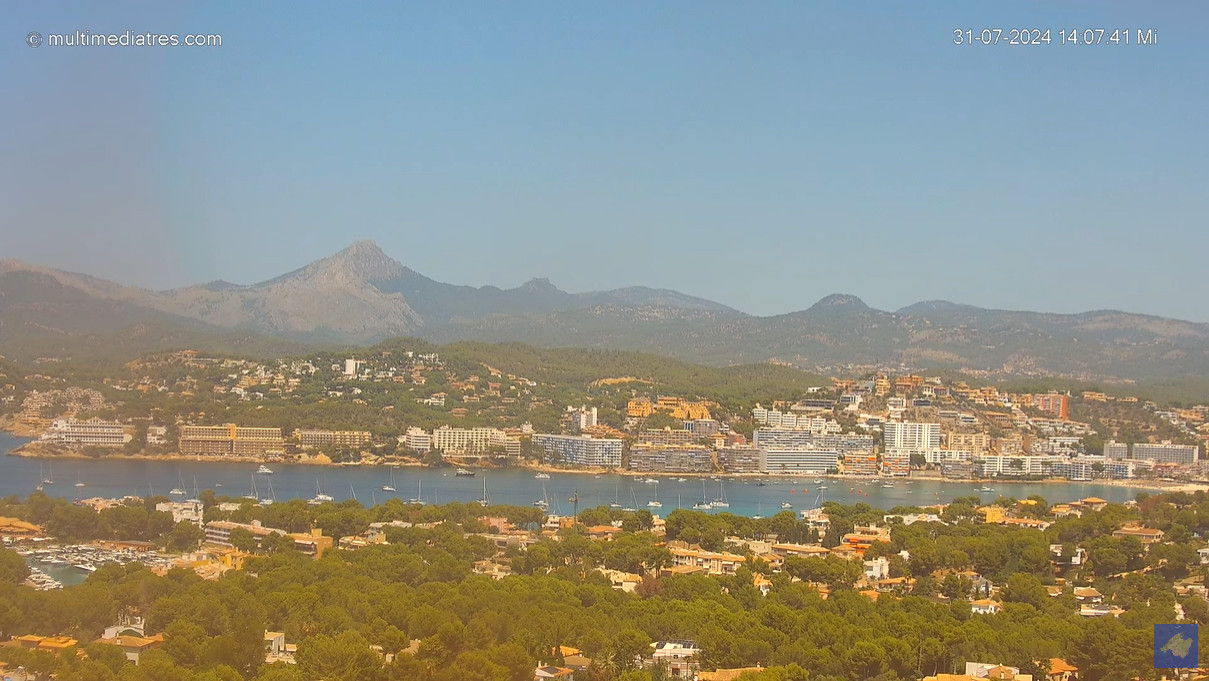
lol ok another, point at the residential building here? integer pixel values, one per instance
(1053, 403)
(782, 437)
(679, 656)
(90, 433)
(1166, 452)
(798, 460)
(684, 459)
(312, 543)
(582, 418)
(1116, 450)
(910, 435)
(703, 428)
(230, 440)
(859, 463)
(580, 450)
(739, 459)
(666, 437)
(896, 462)
(333, 438)
(973, 442)
(468, 440)
(417, 440)
(190, 511)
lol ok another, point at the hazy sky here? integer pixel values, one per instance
(759, 154)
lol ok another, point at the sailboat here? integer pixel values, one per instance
(391, 486)
(484, 500)
(633, 502)
(721, 501)
(759, 511)
(419, 500)
(544, 502)
(616, 495)
(352, 491)
(79, 483)
(320, 497)
(271, 499)
(655, 503)
(49, 478)
(179, 490)
(252, 494)
(703, 505)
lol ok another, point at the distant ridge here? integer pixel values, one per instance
(360, 295)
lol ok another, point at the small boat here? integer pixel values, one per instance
(419, 501)
(786, 505)
(264, 470)
(391, 486)
(721, 501)
(818, 481)
(655, 503)
(541, 476)
(887, 485)
(176, 492)
(484, 500)
(320, 497)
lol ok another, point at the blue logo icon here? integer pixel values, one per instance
(1175, 646)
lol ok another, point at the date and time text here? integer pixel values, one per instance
(1058, 36)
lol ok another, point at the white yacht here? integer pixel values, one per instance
(541, 476)
(264, 470)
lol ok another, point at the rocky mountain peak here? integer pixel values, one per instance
(363, 260)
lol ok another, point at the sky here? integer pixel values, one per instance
(762, 155)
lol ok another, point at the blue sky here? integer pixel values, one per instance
(759, 154)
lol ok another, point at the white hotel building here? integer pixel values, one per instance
(91, 433)
(581, 450)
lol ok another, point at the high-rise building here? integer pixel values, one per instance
(1166, 452)
(910, 435)
(1053, 403)
(580, 450)
(686, 459)
(788, 459)
(1116, 450)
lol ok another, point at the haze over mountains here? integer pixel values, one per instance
(360, 295)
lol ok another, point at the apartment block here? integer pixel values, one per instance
(1053, 403)
(1116, 450)
(666, 437)
(798, 460)
(859, 463)
(90, 433)
(580, 450)
(974, 442)
(1166, 452)
(739, 459)
(687, 459)
(896, 462)
(467, 440)
(910, 435)
(230, 440)
(781, 437)
(333, 438)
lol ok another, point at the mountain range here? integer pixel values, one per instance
(360, 295)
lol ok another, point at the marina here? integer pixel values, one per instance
(512, 486)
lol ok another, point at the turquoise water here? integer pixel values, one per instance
(117, 478)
